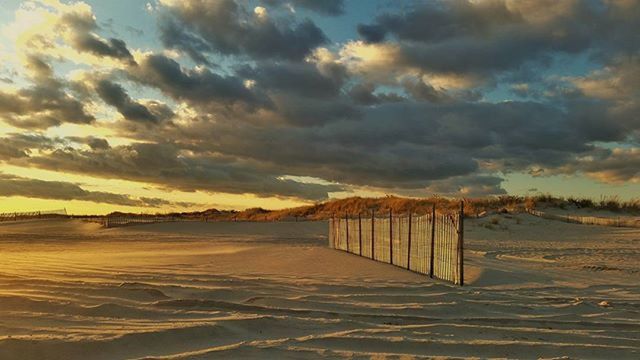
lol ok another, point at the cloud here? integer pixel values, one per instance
(80, 27)
(48, 102)
(114, 48)
(435, 97)
(168, 166)
(363, 94)
(66, 32)
(372, 33)
(227, 27)
(461, 186)
(114, 95)
(488, 37)
(11, 185)
(400, 145)
(325, 7)
(618, 166)
(424, 92)
(304, 79)
(94, 143)
(197, 86)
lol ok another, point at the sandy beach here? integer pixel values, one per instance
(536, 289)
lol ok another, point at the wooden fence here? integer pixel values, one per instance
(431, 244)
(116, 221)
(588, 220)
(43, 214)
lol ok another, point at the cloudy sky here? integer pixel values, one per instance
(170, 105)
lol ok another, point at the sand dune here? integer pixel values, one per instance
(538, 289)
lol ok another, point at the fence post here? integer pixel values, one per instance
(331, 231)
(346, 221)
(335, 230)
(461, 243)
(409, 245)
(390, 236)
(433, 239)
(360, 234)
(373, 247)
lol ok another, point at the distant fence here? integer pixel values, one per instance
(44, 214)
(116, 221)
(588, 220)
(431, 244)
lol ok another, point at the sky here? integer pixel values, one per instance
(167, 105)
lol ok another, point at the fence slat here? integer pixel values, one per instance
(346, 221)
(409, 244)
(359, 234)
(373, 238)
(390, 237)
(461, 245)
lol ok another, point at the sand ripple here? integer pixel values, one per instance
(124, 295)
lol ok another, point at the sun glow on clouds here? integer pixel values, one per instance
(201, 200)
(260, 12)
(227, 97)
(39, 29)
(372, 59)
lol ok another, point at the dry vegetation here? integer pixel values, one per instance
(473, 207)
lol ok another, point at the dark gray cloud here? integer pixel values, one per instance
(174, 36)
(114, 95)
(303, 79)
(165, 165)
(401, 145)
(11, 185)
(372, 33)
(227, 27)
(47, 102)
(40, 70)
(42, 105)
(430, 115)
(424, 92)
(491, 36)
(302, 94)
(97, 143)
(112, 47)
(196, 86)
(82, 27)
(307, 111)
(363, 94)
(94, 143)
(459, 186)
(612, 166)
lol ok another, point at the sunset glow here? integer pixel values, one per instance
(186, 105)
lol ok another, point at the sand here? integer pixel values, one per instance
(536, 289)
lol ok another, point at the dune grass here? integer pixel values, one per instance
(400, 205)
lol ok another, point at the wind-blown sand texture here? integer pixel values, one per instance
(537, 289)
